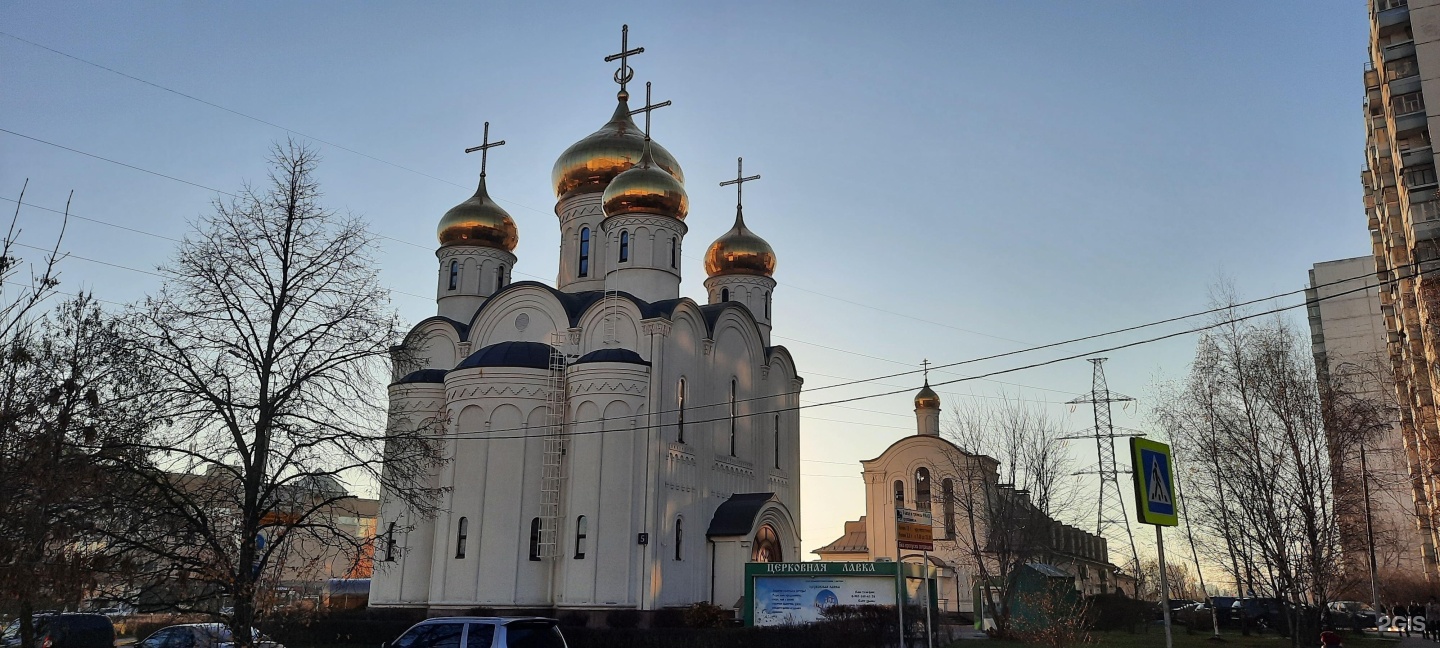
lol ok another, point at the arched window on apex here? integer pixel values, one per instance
(733, 411)
(461, 534)
(767, 304)
(766, 547)
(454, 274)
(500, 277)
(390, 543)
(899, 494)
(724, 294)
(922, 488)
(535, 538)
(624, 246)
(947, 491)
(680, 405)
(777, 440)
(582, 529)
(584, 251)
(679, 538)
(672, 253)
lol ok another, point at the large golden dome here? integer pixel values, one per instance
(927, 398)
(646, 189)
(740, 251)
(479, 221)
(589, 164)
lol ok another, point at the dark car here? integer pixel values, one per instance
(1350, 614)
(201, 635)
(64, 631)
(1258, 612)
(481, 632)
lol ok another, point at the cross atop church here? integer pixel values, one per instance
(649, 108)
(925, 366)
(624, 74)
(484, 148)
(739, 181)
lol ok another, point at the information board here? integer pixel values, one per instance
(914, 530)
(790, 600)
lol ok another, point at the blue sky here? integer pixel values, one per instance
(940, 180)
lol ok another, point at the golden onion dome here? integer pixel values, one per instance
(645, 189)
(740, 251)
(927, 398)
(591, 163)
(479, 221)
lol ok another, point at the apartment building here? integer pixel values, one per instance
(1375, 498)
(1404, 220)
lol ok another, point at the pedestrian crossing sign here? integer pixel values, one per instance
(1154, 482)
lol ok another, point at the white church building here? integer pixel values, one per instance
(611, 443)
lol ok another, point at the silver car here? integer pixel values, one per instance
(481, 632)
(200, 635)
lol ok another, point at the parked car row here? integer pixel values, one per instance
(1266, 613)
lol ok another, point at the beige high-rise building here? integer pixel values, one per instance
(1404, 220)
(1349, 340)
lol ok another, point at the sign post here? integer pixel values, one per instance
(1155, 505)
(914, 530)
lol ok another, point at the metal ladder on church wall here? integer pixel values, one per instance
(552, 469)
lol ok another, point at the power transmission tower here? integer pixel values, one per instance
(1111, 503)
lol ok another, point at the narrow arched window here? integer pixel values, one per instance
(672, 253)
(733, 411)
(461, 534)
(582, 529)
(724, 294)
(767, 304)
(899, 494)
(390, 543)
(535, 538)
(454, 274)
(680, 398)
(947, 490)
(777, 440)
(624, 246)
(679, 538)
(922, 488)
(500, 277)
(584, 251)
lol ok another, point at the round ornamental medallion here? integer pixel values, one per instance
(522, 321)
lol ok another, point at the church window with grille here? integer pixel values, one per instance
(584, 251)
(535, 538)
(922, 488)
(390, 543)
(461, 535)
(672, 253)
(724, 294)
(624, 246)
(777, 440)
(947, 491)
(500, 277)
(454, 274)
(733, 411)
(767, 304)
(582, 529)
(899, 494)
(680, 406)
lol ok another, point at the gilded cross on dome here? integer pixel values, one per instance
(484, 148)
(624, 74)
(925, 366)
(649, 108)
(739, 181)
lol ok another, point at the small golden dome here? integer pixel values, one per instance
(740, 251)
(589, 164)
(927, 398)
(646, 189)
(479, 221)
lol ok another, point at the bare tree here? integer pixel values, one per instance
(1258, 438)
(1012, 477)
(271, 336)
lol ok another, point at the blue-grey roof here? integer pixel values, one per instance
(613, 355)
(423, 376)
(737, 515)
(533, 355)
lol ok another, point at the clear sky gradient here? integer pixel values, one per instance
(940, 180)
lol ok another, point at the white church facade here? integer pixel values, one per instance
(611, 443)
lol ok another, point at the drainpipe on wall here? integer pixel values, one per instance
(712, 570)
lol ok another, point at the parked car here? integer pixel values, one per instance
(1258, 612)
(481, 632)
(1202, 609)
(1349, 614)
(200, 635)
(64, 630)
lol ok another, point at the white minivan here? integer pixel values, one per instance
(481, 632)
